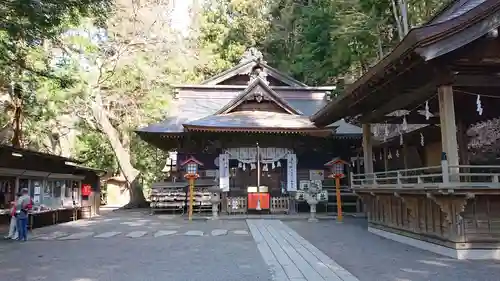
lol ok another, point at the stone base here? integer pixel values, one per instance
(461, 254)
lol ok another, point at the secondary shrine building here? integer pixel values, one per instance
(250, 128)
(428, 103)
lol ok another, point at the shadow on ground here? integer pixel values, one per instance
(373, 258)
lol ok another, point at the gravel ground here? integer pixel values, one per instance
(373, 258)
(119, 258)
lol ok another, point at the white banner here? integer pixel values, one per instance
(224, 172)
(291, 176)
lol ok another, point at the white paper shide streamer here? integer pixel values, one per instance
(479, 106)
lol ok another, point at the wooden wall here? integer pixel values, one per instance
(451, 221)
(433, 154)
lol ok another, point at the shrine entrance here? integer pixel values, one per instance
(260, 174)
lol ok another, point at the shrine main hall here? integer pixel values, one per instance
(249, 127)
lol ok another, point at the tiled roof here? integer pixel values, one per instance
(456, 9)
(254, 120)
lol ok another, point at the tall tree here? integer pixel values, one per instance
(129, 67)
(27, 31)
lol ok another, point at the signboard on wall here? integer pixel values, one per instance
(291, 176)
(316, 175)
(224, 172)
(211, 173)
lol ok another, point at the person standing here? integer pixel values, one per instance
(13, 234)
(24, 204)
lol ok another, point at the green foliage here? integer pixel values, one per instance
(316, 41)
(69, 55)
(94, 149)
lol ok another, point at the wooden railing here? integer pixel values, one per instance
(443, 176)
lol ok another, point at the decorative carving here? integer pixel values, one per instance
(252, 54)
(411, 205)
(451, 206)
(258, 96)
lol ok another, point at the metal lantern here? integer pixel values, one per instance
(337, 171)
(336, 167)
(192, 169)
(191, 166)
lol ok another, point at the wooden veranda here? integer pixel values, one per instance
(439, 82)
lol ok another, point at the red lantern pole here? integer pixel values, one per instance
(339, 199)
(191, 197)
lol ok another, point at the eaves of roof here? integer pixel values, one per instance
(413, 43)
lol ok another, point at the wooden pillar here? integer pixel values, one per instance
(386, 160)
(448, 126)
(367, 149)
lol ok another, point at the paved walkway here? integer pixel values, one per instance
(291, 257)
(61, 235)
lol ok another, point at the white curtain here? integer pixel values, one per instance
(248, 155)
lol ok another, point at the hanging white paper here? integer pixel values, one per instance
(224, 172)
(291, 160)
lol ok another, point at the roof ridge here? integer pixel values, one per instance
(268, 91)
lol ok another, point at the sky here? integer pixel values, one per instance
(181, 18)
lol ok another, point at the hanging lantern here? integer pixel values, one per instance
(389, 156)
(422, 139)
(244, 167)
(397, 153)
(278, 164)
(405, 124)
(273, 166)
(240, 165)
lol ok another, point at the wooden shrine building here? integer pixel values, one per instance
(427, 98)
(250, 128)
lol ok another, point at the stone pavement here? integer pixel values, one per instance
(373, 258)
(134, 246)
(291, 257)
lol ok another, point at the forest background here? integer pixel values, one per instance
(78, 76)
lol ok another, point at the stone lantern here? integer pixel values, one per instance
(215, 193)
(311, 196)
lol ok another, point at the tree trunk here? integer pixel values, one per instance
(122, 155)
(403, 9)
(398, 20)
(16, 139)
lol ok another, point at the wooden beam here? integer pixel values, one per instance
(471, 80)
(400, 102)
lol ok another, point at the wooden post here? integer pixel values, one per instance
(191, 198)
(339, 199)
(386, 161)
(367, 149)
(448, 128)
